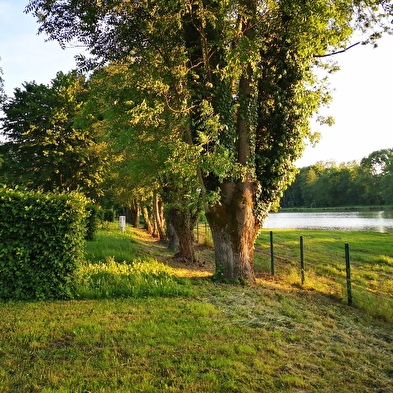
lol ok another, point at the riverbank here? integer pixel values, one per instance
(197, 336)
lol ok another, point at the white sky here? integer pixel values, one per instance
(362, 100)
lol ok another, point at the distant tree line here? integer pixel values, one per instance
(326, 184)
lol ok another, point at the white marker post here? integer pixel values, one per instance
(122, 223)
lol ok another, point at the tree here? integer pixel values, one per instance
(380, 165)
(245, 69)
(48, 146)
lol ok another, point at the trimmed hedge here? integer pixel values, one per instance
(41, 243)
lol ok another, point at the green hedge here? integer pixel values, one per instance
(41, 243)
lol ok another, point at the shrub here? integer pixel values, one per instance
(93, 219)
(41, 243)
(109, 215)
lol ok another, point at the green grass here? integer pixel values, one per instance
(118, 265)
(191, 335)
(112, 243)
(371, 256)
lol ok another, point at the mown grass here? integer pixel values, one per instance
(273, 337)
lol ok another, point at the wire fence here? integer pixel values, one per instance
(203, 234)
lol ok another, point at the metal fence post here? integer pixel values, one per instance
(271, 253)
(302, 259)
(348, 270)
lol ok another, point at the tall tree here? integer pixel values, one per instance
(46, 146)
(247, 65)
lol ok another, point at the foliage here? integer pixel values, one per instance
(94, 217)
(109, 215)
(139, 129)
(41, 246)
(348, 184)
(212, 58)
(150, 142)
(47, 147)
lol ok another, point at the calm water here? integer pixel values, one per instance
(377, 221)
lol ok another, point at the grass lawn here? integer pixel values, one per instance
(152, 324)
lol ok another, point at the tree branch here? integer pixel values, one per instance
(338, 52)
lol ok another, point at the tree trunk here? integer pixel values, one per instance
(172, 237)
(159, 220)
(134, 213)
(148, 223)
(184, 228)
(234, 229)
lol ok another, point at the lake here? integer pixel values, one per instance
(376, 221)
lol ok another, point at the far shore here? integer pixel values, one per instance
(336, 209)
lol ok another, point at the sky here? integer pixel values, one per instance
(362, 98)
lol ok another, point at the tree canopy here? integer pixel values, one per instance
(242, 72)
(47, 146)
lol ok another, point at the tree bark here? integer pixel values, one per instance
(184, 227)
(234, 229)
(158, 213)
(134, 213)
(172, 237)
(148, 223)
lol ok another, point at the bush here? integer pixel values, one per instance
(41, 244)
(93, 219)
(109, 215)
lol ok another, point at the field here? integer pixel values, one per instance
(152, 324)
(371, 265)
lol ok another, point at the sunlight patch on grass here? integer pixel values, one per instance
(190, 273)
(143, 277)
